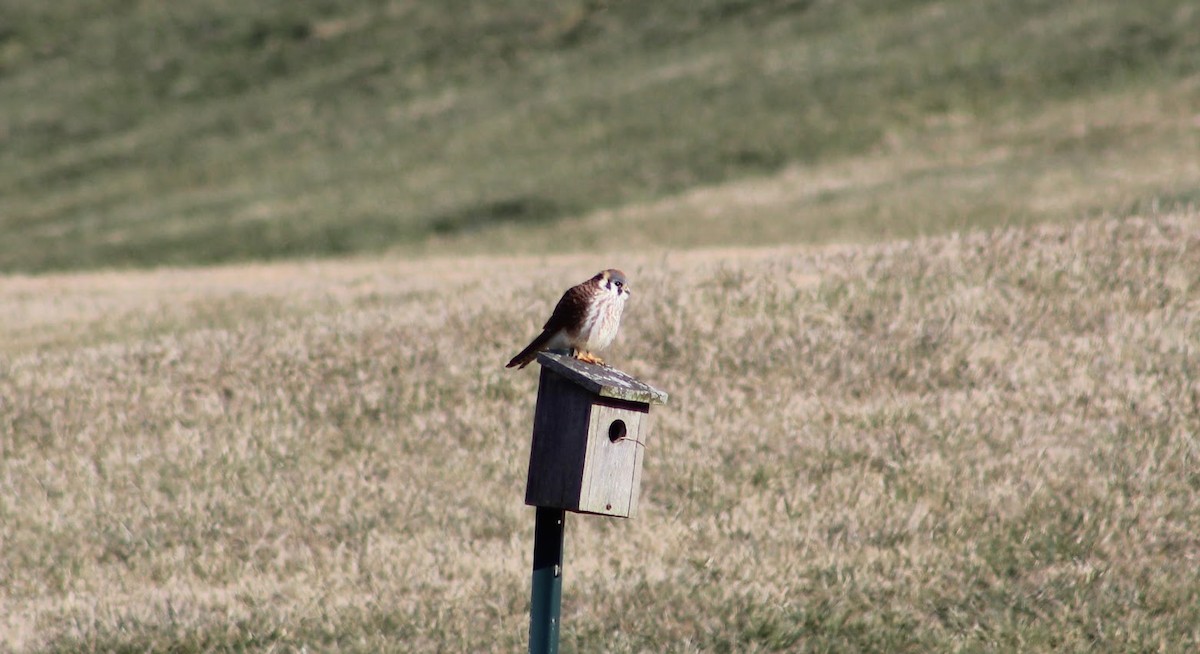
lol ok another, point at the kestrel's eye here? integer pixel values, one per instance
(619, 283)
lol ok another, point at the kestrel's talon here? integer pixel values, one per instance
(585, 319)
(588, 357)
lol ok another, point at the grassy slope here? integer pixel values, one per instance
(143, 133)
(979, 442)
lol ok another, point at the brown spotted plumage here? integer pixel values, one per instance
(586, 319)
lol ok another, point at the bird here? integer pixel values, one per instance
(585, 320)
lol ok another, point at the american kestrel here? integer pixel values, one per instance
(586, 319)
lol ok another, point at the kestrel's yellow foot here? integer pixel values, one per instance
(588, 357)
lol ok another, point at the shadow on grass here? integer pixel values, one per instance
(519, 210)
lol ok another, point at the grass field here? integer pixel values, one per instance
(977, 442)
(922, 278)
(141, 134)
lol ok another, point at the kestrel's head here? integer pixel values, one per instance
(613, 281)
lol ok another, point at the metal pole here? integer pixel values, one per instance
(545, 608)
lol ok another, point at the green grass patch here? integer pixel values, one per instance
(138, 135)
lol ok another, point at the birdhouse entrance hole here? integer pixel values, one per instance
(617, 430)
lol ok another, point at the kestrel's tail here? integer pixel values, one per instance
(530, 352)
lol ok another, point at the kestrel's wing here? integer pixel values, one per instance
(568, 315)
(571, 309)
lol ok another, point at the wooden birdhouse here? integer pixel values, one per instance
(589, 436)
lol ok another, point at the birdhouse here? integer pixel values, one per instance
(589, 436)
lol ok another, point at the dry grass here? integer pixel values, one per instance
(971, 443)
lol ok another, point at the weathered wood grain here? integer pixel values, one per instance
(612, 468)
(602, 380)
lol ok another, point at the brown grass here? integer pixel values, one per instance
(977, 442)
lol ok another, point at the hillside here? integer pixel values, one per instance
(973, 442)
(137, 134)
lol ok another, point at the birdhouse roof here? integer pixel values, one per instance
(602, 380)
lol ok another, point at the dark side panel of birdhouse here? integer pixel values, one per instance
(560, 427)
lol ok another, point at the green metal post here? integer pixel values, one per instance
(545, 609)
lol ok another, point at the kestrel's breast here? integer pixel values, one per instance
(600, 323)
